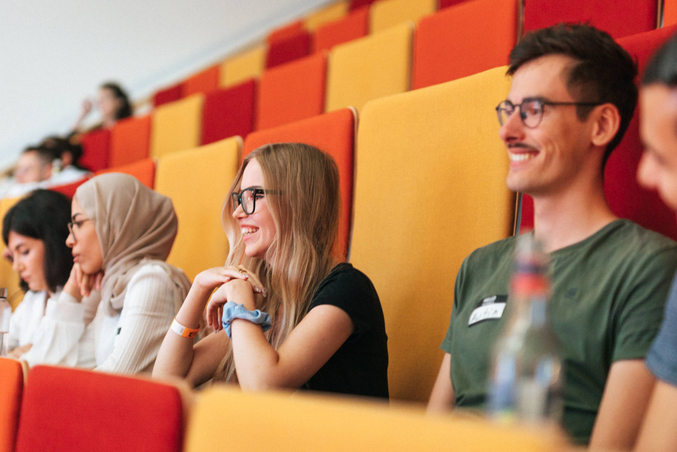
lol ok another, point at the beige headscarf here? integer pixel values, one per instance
(135, 226)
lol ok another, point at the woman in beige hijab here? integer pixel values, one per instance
(121, 232)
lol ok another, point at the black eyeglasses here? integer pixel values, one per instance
(247, 198)
(531, 110)
(78, 224)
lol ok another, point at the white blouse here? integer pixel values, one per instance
(125, 343)
(26, 318)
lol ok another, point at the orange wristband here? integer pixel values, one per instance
(184, 331)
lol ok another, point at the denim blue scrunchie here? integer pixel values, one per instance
(232, 311)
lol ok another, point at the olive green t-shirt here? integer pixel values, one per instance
(607, 305)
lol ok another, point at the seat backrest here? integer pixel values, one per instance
(448, 3)
(169, 94)
(354, 26)
(70, 188)
(9, 279)
(312, 422)
(669, 12)
(177, 126)
(617, 17)
(330, 13)
(625, 196)
(143, 170)
(228, 112)
(429, 189)
(389, 13)
(130, 140)
(291, 92)
(291, 48)
(202, 82)
(243, 66)
(285, 31)
(333, 133)
(72, 409)
(464, 40)
(95, 149)
(11, 390)
(374, 66)
(356, 4)
(197, 182)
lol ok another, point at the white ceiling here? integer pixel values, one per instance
(54, 53)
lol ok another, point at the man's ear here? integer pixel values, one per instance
(607, 123)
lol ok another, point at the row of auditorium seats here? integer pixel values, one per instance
(59, 409)
(427, 162)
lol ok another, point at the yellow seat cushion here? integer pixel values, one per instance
(177, 126)
(243, 66)
(330, 13)
(197, 181)
(228, 419)
(430, 188)
(368, 68)
(388, 13)
(9, 279)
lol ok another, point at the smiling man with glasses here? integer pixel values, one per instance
(571, 100)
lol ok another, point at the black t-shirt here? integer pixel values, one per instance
(360, 365)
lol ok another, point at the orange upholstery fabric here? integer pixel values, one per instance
(129, 141)
(669, 12)
(333, 133)
(95, 149)
(355, 25)
(292, 92)
(202, 82)
(8, 277)
(464, 40)
(11, 389)
(617, 17)
(143, 170)
(77, 410)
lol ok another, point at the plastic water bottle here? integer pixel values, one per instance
(5, 314)
(526, 376)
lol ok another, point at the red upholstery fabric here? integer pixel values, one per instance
(626, 198)
(292, 47)
(447, 3)
(167, 95)
(130, 141)
(79, 410)
(334, 133)
(95, 149)
(11, 389)
(228, 112)
(464, 40)
(292, 92)
(355, 4)
(282, 33)
(69, 189)
(355, 25)
(618, 17)
(202, 82)
(143, 170)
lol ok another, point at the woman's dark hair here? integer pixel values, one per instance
(44, 215)
(125, 109)
(662, 68)
(604, 71)
(59, 145)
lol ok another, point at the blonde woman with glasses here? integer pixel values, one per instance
(287, 313)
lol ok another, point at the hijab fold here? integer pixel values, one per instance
(136, 226)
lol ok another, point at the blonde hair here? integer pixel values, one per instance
(305, 207)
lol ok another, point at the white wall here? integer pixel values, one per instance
(54, 53)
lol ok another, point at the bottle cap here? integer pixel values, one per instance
(3, 293)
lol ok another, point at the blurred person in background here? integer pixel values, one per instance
(113, 103)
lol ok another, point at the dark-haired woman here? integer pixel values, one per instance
(113, 103)
(35, 232)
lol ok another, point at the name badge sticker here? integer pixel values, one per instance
(490, 308)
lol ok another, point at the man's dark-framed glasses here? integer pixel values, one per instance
(247, 198)
(531, 110)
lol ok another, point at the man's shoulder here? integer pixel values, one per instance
(636, 241)
(492, 253)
